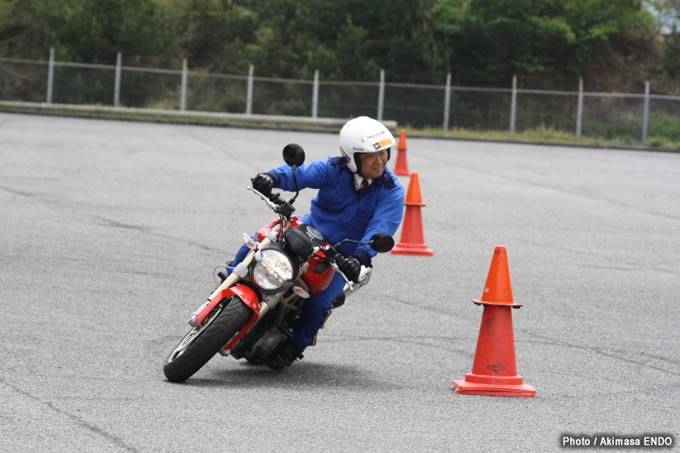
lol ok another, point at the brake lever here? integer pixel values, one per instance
(330, 252)
(344, 277)
(273, 206)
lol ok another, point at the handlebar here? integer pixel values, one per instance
(286, 209)
(274, 201)
(349, 282)
(331, 254)
(283, 208)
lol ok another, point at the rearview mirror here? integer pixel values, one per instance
(293, 155)
(382, 242)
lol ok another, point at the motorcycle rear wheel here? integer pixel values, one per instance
(201, 343)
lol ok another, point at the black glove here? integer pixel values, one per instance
(263, 183)
(349, 266)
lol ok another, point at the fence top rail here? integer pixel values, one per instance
(348, 83)
(664, 97)
(151, 70)
(84, 65)
(123, 68)
(482, 89)
(340, 82)
(410, 85)
(281, 80)
(415, 85)
(613, 95)
(216, 75)
(22, 60)
(551, 92)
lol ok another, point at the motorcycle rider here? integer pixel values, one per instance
(358, 197)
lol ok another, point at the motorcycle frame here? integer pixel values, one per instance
(230, 287)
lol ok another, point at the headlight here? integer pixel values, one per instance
(272, 269)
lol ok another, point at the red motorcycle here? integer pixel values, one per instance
(251, 312)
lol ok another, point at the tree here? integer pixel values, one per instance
(667, 14)
(489, 41)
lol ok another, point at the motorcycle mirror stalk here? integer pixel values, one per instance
(294, 156)
(380, 242)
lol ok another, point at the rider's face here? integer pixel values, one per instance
(373, 164)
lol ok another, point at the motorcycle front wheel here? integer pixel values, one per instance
(201, 343)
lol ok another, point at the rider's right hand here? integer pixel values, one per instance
(349, 266)
(263, 183)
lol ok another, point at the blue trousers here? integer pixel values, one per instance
(315, 311)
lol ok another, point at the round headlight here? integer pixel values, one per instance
(272, 270)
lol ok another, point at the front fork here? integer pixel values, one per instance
(229, 288)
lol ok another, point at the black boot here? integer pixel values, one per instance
(285, 355)
(339, 300)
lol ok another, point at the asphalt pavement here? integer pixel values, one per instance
(110, 231)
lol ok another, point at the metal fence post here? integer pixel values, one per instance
(447, 101)
(249, 98)
(116, 89)
(183, 99)
(50, 76)
(381, 95)
(645, 113)
(513, 105)
(579, 111)
(315, 95)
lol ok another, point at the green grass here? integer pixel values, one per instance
(543, 135)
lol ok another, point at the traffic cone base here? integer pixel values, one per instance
(463, 387)
(485, 379)
(412, 249)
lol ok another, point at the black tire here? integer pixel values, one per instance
(201, 343)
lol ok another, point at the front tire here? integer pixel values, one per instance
(201, 343)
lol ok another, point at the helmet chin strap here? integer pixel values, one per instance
(357, 161)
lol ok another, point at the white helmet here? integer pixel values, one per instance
(363, 135)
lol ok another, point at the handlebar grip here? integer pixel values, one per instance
(275, 198)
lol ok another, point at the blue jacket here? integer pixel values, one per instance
(338, 211)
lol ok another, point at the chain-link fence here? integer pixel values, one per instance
(516, 108)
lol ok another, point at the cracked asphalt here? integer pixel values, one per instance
(110, 231)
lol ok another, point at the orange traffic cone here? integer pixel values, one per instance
(494, 371)
(401, 167)
(412, 239)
